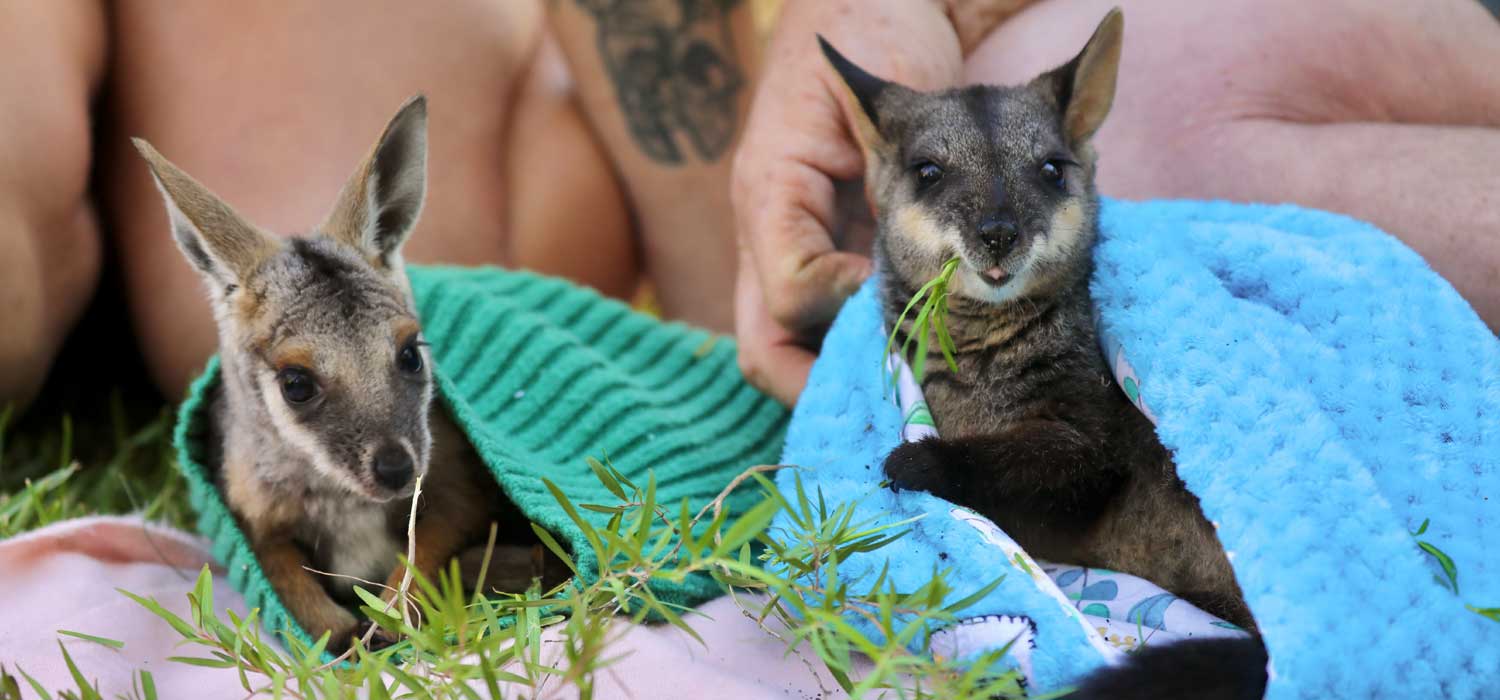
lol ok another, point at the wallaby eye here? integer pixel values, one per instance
(297, 386)
(1052, 172)
(928, 174)
(410, 359)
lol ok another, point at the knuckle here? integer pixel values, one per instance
(749, 363)
(785, 309)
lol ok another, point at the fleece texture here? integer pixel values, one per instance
(541, 374)
(1323, 392)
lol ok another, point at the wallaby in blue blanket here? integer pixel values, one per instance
(1033, 433)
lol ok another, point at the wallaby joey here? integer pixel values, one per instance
(1032, 431)
(325, 416)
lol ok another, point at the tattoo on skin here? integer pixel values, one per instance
(673, 66)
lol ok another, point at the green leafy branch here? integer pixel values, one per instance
(461, 645)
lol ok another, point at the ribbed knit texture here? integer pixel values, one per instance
(542, 374)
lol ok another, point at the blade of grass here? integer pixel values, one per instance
(1491, 613)
(111, 643)
(1444, 561)
(85, 690)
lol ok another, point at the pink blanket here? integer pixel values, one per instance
(64, 578)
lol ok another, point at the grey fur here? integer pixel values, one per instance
(321, 295)
(337, 301)
(321, 481)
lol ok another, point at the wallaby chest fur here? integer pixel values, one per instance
(1114, 501)
(350, 542)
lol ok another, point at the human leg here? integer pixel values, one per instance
(49, 237)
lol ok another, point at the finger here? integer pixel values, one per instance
(779, 368)
(811, 296)
(786, 228)
(770, 356)
(787, 369)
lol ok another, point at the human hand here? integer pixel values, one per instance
(796, 144)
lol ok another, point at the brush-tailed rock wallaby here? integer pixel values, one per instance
(325, 416)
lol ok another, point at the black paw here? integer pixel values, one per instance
(919, 466)
(381, 639)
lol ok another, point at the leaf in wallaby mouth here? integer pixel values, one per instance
(931, 302)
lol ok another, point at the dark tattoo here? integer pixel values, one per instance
(673, 66)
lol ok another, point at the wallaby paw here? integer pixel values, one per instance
(381, 639)
(513, 567)
(918, 466)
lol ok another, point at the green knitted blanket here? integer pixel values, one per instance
(541, 374)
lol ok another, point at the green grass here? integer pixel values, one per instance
(931, 304)
(119, 459)
(128, 467)
(459, 646)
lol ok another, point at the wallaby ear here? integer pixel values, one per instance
(865, 89)
(378, 207)
(215, 238)
(1085, 86)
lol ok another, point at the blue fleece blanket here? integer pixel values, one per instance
(1325, 394)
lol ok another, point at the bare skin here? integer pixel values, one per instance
(269, 103)
(49, 234)
(1373, 109)
(687, 228)
(550, 145)
(794, 273)
(272, 113)
(1345, 124)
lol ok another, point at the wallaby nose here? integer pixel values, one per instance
(998, 232)
(393, 467)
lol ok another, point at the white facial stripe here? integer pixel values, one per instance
(426, 407)
(411, 452)
(921, 232)
(301, 438)
(1063, 231)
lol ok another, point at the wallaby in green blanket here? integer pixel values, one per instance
(325, 415)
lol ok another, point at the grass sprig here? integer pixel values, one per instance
(1444, 561)
(535, 643)
(493, 646)
(931, 303)
(43, 481)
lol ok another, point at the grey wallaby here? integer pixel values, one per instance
(325, 416)
(1033, 433)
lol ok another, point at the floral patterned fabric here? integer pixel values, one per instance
(1125, 612)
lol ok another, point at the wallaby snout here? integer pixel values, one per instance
(998, 232)
(393, 467)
